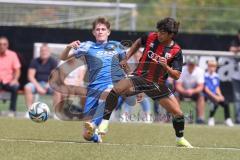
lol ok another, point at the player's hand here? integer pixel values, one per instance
(163, 62)
(74, 44)
(124, 65)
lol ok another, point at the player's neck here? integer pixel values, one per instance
(101, 42)
(168, 43)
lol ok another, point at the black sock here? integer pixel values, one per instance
(111, 103)
(178, 125)
(213, 111)
(226, 109)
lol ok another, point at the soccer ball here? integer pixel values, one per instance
(39, 112)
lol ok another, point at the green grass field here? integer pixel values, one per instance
(22, 139)
(187, 107)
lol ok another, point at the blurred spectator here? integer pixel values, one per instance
(214, 94)
(130, 102)
(9, 73)
(235, 48)
(190, 85)
(71, 75)
(38, 73)
(141, 98)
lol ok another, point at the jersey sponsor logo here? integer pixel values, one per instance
(151, 45)
(168, 55)
(106, 53)
(156, 58)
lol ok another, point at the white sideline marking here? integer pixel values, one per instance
(114, 144)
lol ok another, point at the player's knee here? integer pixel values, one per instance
(117, 90)
(177, 113)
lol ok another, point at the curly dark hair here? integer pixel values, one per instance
(168, 25)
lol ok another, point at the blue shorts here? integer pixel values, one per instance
(94, 106)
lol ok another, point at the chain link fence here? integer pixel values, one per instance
(123, 16)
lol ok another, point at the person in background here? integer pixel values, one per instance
(190, 85)
(38, 74)
(235, 48)
(214, 94)
(9, 73)
(141, 98)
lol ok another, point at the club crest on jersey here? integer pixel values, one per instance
(151, 45)
(168, 55)
(110, 46)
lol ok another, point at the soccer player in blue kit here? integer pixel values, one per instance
(103, 59)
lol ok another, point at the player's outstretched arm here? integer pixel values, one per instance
(134, 48)
(65, 54)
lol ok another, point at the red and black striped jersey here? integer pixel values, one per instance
(149, 67)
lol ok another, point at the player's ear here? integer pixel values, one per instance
(109, 32)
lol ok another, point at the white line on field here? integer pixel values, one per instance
(114, 144)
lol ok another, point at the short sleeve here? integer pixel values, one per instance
(33, 64)
(16, 62)
(178, 61)
(82, 50)
(54, 63)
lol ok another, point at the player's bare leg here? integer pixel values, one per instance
(171, 105)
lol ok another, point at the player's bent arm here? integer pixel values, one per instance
(32, 79)
(175, 74)
(65, 54)
(136, 45)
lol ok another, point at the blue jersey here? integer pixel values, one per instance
(212, 81)
(103, 61)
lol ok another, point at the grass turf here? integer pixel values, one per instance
(22, 139)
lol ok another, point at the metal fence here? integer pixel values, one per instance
(124, 16)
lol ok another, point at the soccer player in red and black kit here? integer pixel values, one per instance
(161, 58)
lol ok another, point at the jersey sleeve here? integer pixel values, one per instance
(54, 63)
(178, 61)
(82, 50)
(16, 62)
(33, 64)
(122, 52)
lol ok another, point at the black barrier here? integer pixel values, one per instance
(22, 39)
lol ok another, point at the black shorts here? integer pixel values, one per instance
(152, 89)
